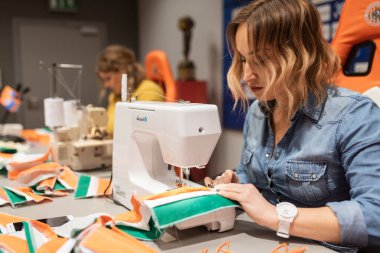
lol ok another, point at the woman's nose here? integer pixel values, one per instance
(248, 73)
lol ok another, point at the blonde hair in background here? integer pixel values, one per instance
(117, 57)
(300, 60)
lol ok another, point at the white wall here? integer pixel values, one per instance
(158, 30)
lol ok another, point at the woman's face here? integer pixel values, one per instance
(253, 73)
(111, 80)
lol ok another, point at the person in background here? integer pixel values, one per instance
(116, 60)
(310, 163)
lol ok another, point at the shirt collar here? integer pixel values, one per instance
(267, 107)
(311, 110)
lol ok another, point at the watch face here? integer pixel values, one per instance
(287, 210)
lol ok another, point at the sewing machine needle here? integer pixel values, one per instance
(181, 177)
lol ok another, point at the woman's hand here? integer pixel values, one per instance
(251, 200)
(227, 177)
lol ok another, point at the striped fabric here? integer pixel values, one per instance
(90, 186)
(20, 195)
(159, 211)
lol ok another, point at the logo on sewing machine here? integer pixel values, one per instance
(142, 118)
(372, 14)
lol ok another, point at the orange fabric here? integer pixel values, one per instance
(353, 29)
(44, 229)
(32, 135)
(132, 216)
(59, 193)
(3, 194)
(6, 155)
(158, 69)
(28, 191)
(103, 220)
(19, 167)
(285, 247)
(69, 177)
(220, 248)
(99, 240)
(40, 169)
(47, 183)
(102, 186)
(13, 244)
(52, 245)
(41, 227)
(175, 192)
(6, 218)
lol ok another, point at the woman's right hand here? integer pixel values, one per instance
(227, 177)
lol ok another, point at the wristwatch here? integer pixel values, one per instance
(286, 212)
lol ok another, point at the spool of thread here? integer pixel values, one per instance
(70, 113)
(124, 87)
(53, 112)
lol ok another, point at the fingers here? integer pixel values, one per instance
(208, 182)
(231, 175)
(230, 195)
(238, 188)
(227, 177)
(238, 192)
(221, 180)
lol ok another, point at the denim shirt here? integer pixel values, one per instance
(329, 156)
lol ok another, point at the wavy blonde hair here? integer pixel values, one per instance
(117, 57)
(302, 61)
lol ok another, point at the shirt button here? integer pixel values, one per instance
(267, 155)
(296, 175)
(314, 176)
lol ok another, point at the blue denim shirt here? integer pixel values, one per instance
(330, 156)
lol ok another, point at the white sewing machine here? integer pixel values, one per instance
(151, 136)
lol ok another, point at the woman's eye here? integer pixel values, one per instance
(242, 59)
(259, 61)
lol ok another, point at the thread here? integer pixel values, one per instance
(53, 108)
(124, 87)
(70, 113)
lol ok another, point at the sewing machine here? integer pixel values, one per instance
(150, 138)
(85, 146)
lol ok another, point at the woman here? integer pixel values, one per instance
(116, 60)
(308, 145)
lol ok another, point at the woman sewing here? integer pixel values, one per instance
(310, 164)
(116, 60)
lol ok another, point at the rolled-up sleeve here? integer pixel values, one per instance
(358, 140)
(353, 229)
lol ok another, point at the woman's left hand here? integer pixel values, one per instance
(251, 200)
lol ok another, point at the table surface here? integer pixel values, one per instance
(246, 236)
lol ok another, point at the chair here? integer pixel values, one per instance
(158, 69)
(357, 42)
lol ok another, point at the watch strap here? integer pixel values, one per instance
(283, 228)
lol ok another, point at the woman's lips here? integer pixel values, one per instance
(256, 88)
